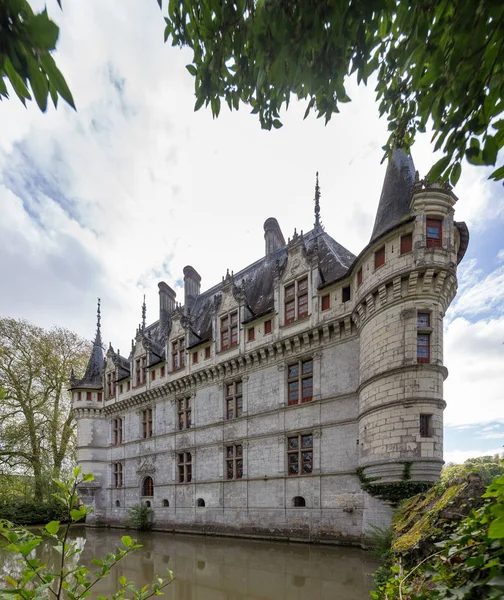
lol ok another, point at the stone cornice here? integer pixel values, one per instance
(403, 368)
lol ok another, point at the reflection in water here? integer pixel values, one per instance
(229, 569)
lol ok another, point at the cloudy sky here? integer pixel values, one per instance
(125, 192)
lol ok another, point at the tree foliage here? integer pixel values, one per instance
(36, 423)
(26, 42)
(441, 60)
(487, 467)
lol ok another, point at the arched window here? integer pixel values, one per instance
(148, 487)
(117, 503)
(299, 501)
(165, 502)
(147, 503)
(200, 502)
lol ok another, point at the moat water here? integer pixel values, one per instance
(208, 568)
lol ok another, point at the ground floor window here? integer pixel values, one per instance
(148, 487)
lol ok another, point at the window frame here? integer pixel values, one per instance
(234, 455)
(296, 300)
(379, 258)
(430, 240)
(251, 334)
(184, 413)
(117, 474)
(117, 431)
(325, 302)
(268, 326)
(406, 245)
(359, 277)
(184, 467)
(233, 395)
(208, 352)
(299, 379)
(424, 332)
(298, 450)
(111, 384)
(346, 293)
(147, 430)
(178, 352)
(425, 425)
(148, 487)
(229, 330)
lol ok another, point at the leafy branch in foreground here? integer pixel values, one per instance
(26, 41)
(436, 60)
(70, 580)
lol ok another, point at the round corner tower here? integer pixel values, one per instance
(405, 281)
(92, 431)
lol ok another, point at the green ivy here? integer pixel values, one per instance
(396, 491)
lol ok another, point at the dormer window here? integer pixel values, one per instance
(178, 354)
(140, 370)
(434, 231)
(110, 385)
(296, 300)
(229, 330)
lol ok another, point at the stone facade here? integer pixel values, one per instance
(248, 410)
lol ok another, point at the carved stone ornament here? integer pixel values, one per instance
(146, 464)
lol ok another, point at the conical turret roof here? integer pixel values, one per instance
(396, 193)
(93, 376)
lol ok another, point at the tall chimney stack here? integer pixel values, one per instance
(166, 301)
(273, 236)
(192, 282)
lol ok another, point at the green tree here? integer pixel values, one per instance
(437, 60)
(26, 42)
(488, 468)
(36, 423)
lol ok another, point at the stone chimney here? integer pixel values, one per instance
(166, 300)
(192, 282)
(273, 236)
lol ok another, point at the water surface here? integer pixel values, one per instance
(209, 568)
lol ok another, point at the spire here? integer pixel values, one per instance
(317, 225)
(144, 312)
(98, 340)
(396, 193)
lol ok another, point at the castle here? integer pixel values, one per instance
(249, 409)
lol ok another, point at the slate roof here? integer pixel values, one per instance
(396, 193)
(93, 376)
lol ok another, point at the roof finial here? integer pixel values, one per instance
(317, 204)
(144, 312)
(98, 341)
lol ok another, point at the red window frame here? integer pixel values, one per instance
(234, 461)
(100, 396)
(296, 300)
(153, 375)
(89, 396)
(300, 382)
(406, 243)
(359, 277)
(162, 371)
(178, 354)
(208, 352)
(184, 413)
(121, 388)
(229, 330)
(128, 386)
(138, 372)
(118, 475)
(250, 334)
(326, 302)
(434, 233)
(144, 368)
(300, 453)
(147, 423)
(379, 257)
(195, 358)
(117, 431)
(110, 386)
(267, 326)
(234, 399)
(148, 487)
(184, 467)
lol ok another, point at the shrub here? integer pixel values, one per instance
(140, 517)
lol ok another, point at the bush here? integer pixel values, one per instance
(32, 513)
(140, 517)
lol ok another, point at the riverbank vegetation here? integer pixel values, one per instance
(448, 542)
(69, 580)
